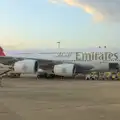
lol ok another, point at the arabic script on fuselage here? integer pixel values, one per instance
(64, 54)
(103, 56)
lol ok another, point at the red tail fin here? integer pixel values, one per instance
(2, 52)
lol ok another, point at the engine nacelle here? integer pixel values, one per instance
(66, 70)
(26, 66)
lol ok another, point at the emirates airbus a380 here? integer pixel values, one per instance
(62, 62)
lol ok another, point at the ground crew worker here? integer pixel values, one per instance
(108, 74)
(38, 77)
(118, 75)
(1, 78)
(113, 77)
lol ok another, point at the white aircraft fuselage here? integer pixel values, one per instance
(98, 57)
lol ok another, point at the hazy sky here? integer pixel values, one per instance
(41, 23)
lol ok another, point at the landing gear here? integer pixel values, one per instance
(49, 75)
(45, 75)
(18, 75)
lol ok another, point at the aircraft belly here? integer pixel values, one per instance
(101, 67)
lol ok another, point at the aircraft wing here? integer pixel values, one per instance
(7, 60)
(43, 63)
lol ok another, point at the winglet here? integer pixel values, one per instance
(2, 52)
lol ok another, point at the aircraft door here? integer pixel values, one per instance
(114, 66)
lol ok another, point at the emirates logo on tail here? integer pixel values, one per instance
(2, 52)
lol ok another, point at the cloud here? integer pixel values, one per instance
(100, 9)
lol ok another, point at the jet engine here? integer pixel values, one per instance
(26, 66)
(66, 70)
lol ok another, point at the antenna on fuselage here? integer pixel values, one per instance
(104, 47)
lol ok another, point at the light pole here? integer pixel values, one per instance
(58, 44)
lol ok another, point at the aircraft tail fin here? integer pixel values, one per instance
(2, 52)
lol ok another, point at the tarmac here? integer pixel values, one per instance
(26, 98)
